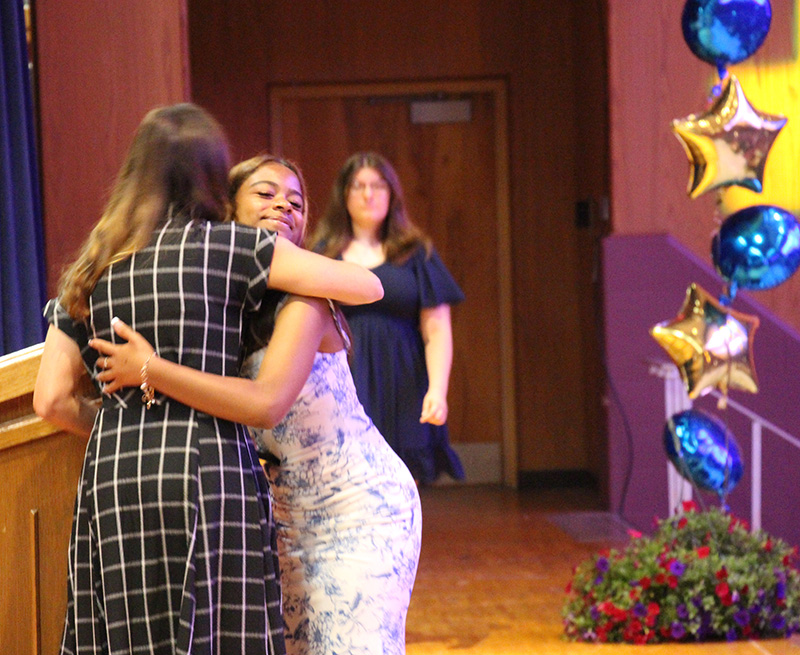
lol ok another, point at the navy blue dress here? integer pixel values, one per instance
(389, 361)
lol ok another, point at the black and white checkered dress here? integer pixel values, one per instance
(173, 548)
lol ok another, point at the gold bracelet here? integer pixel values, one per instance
(148, 392)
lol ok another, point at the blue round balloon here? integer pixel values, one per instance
(724, 32)
(757, 247)
(703, 450)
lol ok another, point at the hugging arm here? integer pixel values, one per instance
(306, 273)
(57, 395)
(260, 403)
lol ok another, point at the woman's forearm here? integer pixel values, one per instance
(437, 335)
(57, 394)
(230, 398)
(306, 273)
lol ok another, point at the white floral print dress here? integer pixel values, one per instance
(348, 519)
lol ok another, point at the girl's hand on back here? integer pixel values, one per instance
(122, 362)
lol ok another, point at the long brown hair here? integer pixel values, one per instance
(399, 235)
(178, 165)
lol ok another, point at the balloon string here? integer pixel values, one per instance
(716, 90)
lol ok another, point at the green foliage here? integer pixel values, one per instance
(701, 576)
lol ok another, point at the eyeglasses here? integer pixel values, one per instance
(375, 187)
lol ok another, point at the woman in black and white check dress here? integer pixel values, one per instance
(172, 549)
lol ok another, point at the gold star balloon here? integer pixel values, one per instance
(727, 145)
(711, 345)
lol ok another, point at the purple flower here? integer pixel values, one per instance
(742, 617)
(677, 568)
(778, 622)
(682, 612)
(598, 580)
(595, 613)
(780, 590)
(639, 610)
(677, 630)
(731, 635)
(602, 564)
(697, 601)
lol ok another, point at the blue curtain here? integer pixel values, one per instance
(22, 277)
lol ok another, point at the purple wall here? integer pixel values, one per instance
(645, 281)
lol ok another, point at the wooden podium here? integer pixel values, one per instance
(39, 470)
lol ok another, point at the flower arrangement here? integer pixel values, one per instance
(701, 576)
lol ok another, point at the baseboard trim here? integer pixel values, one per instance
(483, 464)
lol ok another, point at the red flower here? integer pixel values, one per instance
(703, 552)
(635, 534)
(690, 506)
(737, 521)
(768, 545)
(661, 578)
(723, 591)
(619, 614)
(722, 574)
(682, 523)
(644, 583)
(672, 581)
(653, 609)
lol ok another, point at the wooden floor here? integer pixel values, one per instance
(492, 574)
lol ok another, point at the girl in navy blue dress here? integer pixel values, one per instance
(402, 344)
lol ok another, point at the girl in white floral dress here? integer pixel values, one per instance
(347, 509)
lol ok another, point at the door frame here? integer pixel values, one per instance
(497, 88)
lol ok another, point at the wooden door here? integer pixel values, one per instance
(454, 172)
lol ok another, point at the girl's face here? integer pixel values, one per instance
(271, 198)
(368, 199)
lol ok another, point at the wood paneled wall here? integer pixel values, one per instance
(655, 78)
(100, 66)
(552, 56)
